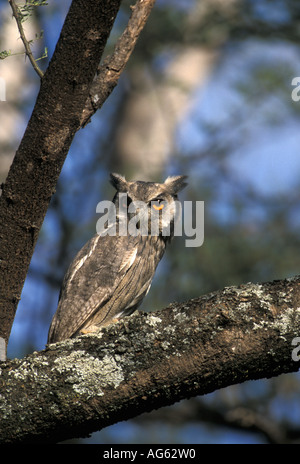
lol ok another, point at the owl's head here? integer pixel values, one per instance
(152, 205)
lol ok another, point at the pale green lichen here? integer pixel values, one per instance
(266, 300)
(153, 320)
(165, 345)
(181, 316)
(286, 321)
(30, 367)
(262, 325)
(89, 375)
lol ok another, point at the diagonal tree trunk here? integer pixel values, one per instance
(147, 361)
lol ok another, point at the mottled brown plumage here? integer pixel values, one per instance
(111, 275)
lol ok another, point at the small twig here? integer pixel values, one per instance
(110, 70)
(28, 51)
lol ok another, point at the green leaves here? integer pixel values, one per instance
(5, 53)
(26, 10)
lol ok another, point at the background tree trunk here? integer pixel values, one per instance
(147, 361)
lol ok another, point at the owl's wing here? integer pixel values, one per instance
(90, 281)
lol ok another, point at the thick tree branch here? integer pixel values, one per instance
(109, 72)
(150, 360)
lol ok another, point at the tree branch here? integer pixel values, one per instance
(147, 361)
(109, 72)
(16, 14)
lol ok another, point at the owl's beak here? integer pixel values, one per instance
(158, 208)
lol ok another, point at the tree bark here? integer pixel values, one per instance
(146, 361)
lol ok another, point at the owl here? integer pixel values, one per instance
(112, 273)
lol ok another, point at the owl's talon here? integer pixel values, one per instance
(97, 328)
(90, 329)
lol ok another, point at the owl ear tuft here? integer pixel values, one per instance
(119, 182)
(175, 184)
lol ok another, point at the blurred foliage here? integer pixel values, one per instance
(251, 222)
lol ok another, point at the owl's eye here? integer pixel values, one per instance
(158, 204)
(126, 201)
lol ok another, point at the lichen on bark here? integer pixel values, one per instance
(146, 361)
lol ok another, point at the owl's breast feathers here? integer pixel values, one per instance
(108, 279)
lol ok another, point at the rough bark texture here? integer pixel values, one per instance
(147, 361)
